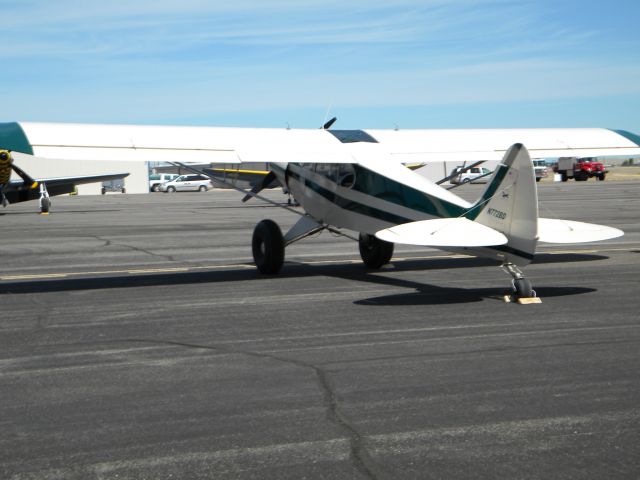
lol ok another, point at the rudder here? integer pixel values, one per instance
(510, 205)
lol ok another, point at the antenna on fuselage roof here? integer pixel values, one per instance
(327, 125)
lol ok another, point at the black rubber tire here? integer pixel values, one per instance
(523, 288)
(564, 177)
(581, 177)
(171, 189)
(202, 188)
(538, 179)
(155, 188)
(601, 177)
(45, 205)
(374, 252)
(267, 245)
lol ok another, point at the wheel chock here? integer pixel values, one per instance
(521, 300)
(529, 300)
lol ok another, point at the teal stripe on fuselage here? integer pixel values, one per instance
(488, 194)
(378, 186)
(13, 138)
(397, 193)
(348, 204)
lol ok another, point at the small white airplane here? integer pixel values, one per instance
(42, 189)
(357, 180)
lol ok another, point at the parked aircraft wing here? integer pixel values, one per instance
(443, 232)
(58, 181)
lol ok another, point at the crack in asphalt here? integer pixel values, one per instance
(360, 458)
(109, 243)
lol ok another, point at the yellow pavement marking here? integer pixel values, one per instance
(120, 272)
(30, 277)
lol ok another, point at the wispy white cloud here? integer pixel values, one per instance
(121, 57)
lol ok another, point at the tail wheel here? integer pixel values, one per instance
(523, 288)
(268, 247)
(374, 252)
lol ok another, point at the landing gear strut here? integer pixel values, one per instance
(521, 287)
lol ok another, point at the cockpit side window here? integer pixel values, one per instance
(326, 170)
(346, 175)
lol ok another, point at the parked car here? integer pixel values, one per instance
(471, 175)
(157, 179)
(185, 183)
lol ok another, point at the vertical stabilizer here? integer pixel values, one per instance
(510, 206)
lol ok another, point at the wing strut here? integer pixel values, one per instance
(266, 180)
(249, 193)
(28, 179)
(464, 169)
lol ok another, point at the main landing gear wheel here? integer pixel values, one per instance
(374, 252)
(268, 247)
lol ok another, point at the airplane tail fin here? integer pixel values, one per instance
(504, 219)
(510, 205)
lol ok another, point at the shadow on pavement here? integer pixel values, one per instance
(423, 294)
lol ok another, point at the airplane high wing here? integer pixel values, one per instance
(29, 188)
(227, 145)
(356, 180)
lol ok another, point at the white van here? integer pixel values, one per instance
(471, 175)
(186, 183)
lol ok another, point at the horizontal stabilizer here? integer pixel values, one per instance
(443, 232)
(566, 231)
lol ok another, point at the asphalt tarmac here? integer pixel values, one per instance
(138, 342)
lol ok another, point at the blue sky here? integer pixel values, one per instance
(405, 63)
